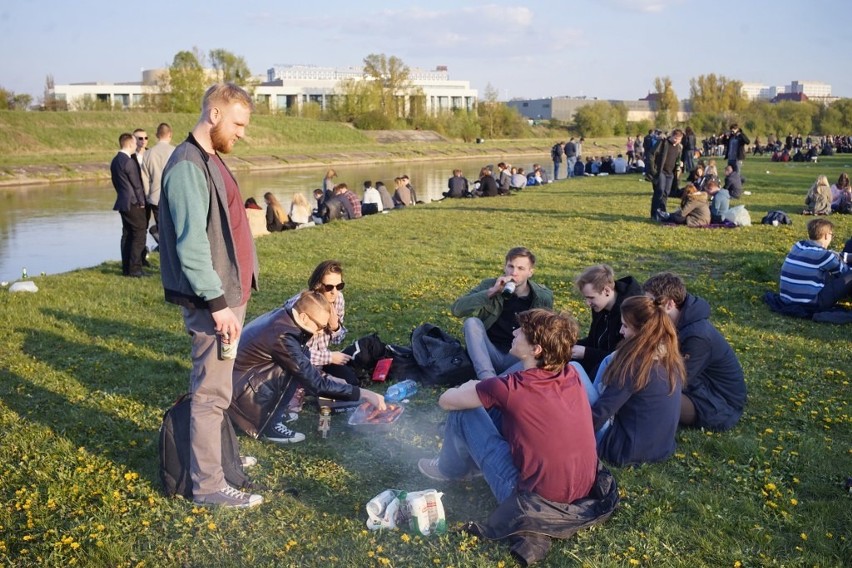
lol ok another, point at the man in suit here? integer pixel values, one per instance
(130, 203)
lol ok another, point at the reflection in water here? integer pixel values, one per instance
(60, 227)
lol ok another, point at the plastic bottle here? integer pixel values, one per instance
(24, 274)
(401, 391)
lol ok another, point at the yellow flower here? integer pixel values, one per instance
(211, 526)
(770, 487)
(738, 564)
(633, 562)
(794, 502)
(405, 537)
(804, 536)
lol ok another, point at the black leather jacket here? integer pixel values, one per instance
(272, 361)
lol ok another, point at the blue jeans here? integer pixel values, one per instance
(556, 170)
(662, 187)
(473, 439)
(595, 389)
(488, 361)
(571, 161)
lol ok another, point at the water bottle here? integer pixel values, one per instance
(24, 274)
(401, 391)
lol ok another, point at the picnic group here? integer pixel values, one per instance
(650, 363)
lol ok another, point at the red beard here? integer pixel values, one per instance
(220, 143)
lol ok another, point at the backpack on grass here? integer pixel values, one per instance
(174, 452)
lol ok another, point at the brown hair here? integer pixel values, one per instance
(688, 191)
(226, 93)
(520, 251)
(163, 130)
(666, 286)
(654, 343)
(842, 181)
(323, 268)
(599, 276)
(276, 207)
(556, 334)
(819, 228)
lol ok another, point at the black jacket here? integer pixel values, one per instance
(714, 378)
(529, 521)
(272, 361)
(605, 331)
(734, 184)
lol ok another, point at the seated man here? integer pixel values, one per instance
(619, 165)
(733, 182)
(272, 362)
(528, 433)
(812, 275)
(604, 295)
(715, 392)
(721, 200)
(494, 303)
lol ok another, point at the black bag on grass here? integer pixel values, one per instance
(174, 452)
(441, 357)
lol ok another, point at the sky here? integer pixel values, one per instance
(608, 49)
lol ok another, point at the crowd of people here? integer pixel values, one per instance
(651, 362)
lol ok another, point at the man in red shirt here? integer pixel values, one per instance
(529, 431)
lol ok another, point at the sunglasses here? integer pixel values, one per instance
(141, 137)
(330, 287)
(316, 323)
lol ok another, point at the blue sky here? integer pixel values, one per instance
(603, 48)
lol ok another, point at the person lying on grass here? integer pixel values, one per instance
(637, 392)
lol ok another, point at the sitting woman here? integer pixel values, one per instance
(694, 209)
(841, 195)
(637, 413)
(327, 279)
(300, 212)
(487, 184)
(276, 219)
(402, 195)
(818, 201)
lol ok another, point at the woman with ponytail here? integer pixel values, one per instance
(637, 412)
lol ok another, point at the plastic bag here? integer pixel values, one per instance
(419, 512)
(739, 216)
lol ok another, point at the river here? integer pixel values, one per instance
(64, 226)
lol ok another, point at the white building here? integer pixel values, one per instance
(288, 87)
(812, 89)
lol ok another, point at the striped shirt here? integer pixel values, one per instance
(318, 344)
(805, 270)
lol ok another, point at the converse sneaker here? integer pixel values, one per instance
(280, 434)
(229, 497)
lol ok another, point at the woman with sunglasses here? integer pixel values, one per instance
(327, 279)
(637, 413)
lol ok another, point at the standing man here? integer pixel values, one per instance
(715, 392)
(663, 161)
(570, 156)
(736, 143)
(130, 203)
(209, 267)
(141, 145)
(494, 305)
(604, 295)
(153, 165)
(556, 153)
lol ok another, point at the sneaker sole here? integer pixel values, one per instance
(284, 440)
(227, 506)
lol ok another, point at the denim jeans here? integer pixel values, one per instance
(473, 438)
(571, 161)
(488, 361)
(662, 187)
(595, 389)
(556, 170)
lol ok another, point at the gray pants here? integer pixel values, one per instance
(488, 361)
(211, 385)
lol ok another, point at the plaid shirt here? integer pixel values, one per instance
(318, 344)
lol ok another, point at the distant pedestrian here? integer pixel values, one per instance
(130, 204)
(153, 165)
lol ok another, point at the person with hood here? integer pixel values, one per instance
(604, 295)
(694, 209)
(715, 392)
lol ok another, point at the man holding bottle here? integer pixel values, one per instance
(493, 306)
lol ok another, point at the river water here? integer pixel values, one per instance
(64, 226)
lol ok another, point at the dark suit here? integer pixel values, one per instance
(130, 203)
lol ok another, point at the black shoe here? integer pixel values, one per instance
(662, 215)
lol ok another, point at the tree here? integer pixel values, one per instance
(488, 109)
(185, 83)
(50, 102)
(230, 68)
(601, 119)
(391, 79)
(667, 104)
(712, 94)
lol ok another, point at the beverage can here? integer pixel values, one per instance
(226, 350)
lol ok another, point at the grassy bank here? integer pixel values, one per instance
(53, 146)
(91, 361)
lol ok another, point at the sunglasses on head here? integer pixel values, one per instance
(330, 287)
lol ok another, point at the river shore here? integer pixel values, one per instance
(537, 149)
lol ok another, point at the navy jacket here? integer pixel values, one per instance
(127, 182)
(714, 377)
(605, 331)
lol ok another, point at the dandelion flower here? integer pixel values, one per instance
(804, 536)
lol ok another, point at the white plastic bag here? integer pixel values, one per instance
(419, 512)
(739, 216)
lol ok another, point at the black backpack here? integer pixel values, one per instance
(442, 358)
(174, 452)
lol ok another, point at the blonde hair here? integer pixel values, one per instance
(225, 93)
(300, 200)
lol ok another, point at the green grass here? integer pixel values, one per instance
(91, 361)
